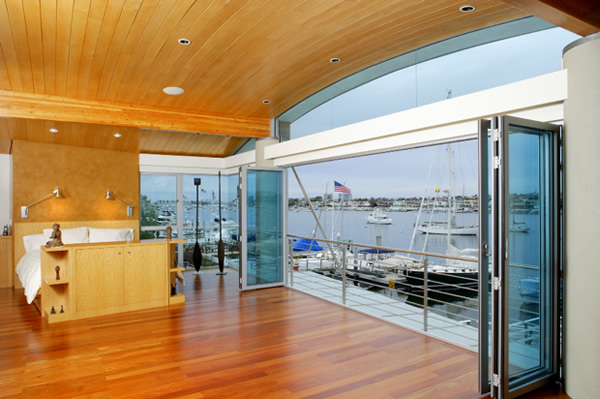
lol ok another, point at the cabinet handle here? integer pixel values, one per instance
(129, 252)
(119, 253)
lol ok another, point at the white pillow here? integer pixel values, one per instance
(108, 235)
(35, 241)
(78, 235)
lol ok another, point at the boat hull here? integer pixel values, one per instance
(442, 280)
(443, 230)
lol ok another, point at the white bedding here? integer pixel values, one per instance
(29, 270)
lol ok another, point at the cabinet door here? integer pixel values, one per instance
(99, 279)
(145, 274)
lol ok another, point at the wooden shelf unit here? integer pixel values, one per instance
(178, 297)
(55, 293)
(106, 278)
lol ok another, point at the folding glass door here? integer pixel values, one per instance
(519, 262)
(263, 205)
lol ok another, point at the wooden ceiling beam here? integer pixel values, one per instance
(580, 17)
(38, 106)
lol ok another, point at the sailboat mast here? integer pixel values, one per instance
(449, 209)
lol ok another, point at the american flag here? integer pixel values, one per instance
(214, 198)
(203, 190)
(340, 188)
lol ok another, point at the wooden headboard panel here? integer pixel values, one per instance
(24, 229)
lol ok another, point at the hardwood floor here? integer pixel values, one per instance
(275, 343)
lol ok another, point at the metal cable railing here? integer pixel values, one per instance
(445, 293)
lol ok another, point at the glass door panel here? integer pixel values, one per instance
(530, 219)
(263, 206)
(519, 259)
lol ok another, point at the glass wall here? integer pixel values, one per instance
(465, 64)
(176, 201)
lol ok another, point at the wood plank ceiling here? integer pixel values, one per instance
(90, 68)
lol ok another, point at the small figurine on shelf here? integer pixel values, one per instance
(57, 268)
(52, 311)
(169, 231)
(61, 309)
(56, 240)
(5, 231)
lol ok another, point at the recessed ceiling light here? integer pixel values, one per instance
(184, 42)
(335, 60)
(117, 135)
(467, 9)
(53, 130)
(266, 101)
(173, 91)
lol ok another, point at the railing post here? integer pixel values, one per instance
(425, 293)
(291, 264)
(344, 274)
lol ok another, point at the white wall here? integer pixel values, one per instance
(582, 221)
(5, 189)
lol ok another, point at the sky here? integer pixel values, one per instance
(395, 174)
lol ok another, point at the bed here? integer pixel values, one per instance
(28, 268)
(103, 270)
(29, 237)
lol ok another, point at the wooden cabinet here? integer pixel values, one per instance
(6, 264)
(107, 278)
(144, 274)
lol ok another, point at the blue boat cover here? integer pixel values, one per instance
(303, 244)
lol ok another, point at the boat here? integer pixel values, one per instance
(455, 274)
(378, 217)
(451, 208)
(165, 216)
(518, 227)
(442, 228)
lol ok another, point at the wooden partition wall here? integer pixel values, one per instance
(82, 174)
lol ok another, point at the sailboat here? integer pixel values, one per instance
(449, 226)
(455, 273)
(518, 227)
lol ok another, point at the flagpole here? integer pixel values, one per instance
(314, 214)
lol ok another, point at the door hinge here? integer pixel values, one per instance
(495, 134)
(496, 162)
(496, 283)
(495, 380)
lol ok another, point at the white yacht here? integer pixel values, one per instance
(378, 217)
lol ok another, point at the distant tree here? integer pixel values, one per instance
(147, 216)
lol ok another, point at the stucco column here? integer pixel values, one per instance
(582, 218)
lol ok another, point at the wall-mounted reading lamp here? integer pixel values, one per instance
(25, 209)
(110, 195)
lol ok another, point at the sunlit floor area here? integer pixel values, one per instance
(274, 343)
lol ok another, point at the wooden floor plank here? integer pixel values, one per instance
(274, 343)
